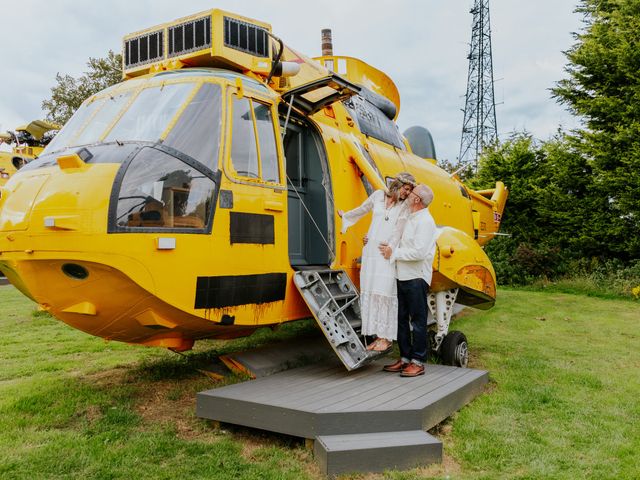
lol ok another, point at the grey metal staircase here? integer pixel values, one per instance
(335, 303)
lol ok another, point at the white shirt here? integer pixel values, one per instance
(414, 255)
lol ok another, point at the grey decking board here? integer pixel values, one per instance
(392, 388)
(451, 403)
(339, 393)
(336, 396)
(423, 390)
(338, 382)
(376, 452)
(395, 393)
(360, 441)
(303, 424)
(368, 422)
(456, 383)
(306, 380)
(264, 417)
(275, 383)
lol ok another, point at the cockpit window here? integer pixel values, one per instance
(111, 107)
(197, 132)
(159, 192)
(70, 130)
(150, 114)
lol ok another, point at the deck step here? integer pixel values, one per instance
(376, 452)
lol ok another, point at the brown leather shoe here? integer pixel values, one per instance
(412, 370)
(396, 367)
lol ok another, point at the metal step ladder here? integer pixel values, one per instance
(335, 303)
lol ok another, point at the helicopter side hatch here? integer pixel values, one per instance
(309, 196)
(312, 97)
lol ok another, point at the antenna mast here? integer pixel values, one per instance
(479, 126)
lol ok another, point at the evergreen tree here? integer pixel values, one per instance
(604, 89)
(69, 93)
(549, 214)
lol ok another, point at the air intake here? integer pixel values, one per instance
(245, 37)
(211, 39)
(144, 49)
(190, 36)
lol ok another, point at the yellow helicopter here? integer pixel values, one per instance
(198, 198)
(28, 142)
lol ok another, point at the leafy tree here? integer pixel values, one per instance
(550, 212)
(69, 93)
(604, 89)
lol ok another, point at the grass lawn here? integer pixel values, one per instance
(563, 401)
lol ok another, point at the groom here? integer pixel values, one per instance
(414, 260)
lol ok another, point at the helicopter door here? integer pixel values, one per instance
(312, 97)
(257, 200)
(308, 183)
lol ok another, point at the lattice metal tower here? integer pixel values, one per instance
(479, 125)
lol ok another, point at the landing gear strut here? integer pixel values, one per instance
(451, 347)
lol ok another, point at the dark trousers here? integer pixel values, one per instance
(412, 319)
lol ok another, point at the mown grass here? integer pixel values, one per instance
(591, 286)
(74, 406)
(563, 401)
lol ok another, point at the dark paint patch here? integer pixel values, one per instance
(230, 291)
(226, 199)
(251, 228)
(227, 319)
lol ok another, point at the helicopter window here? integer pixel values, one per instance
(267, 139)
(159, 191)
(102, 119)
(244, 153)
(373, 122)
(197, 132)
(150, 113)
(61, 140)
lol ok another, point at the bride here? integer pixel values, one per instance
(378, 299)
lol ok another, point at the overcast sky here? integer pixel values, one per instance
(421, 44)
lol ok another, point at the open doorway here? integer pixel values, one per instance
(310, 197)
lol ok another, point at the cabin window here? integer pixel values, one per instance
(373, 122)
(253, 151)
(158, 192)
(267, 139)
(244, 153)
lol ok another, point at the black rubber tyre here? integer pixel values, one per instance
(454, 350)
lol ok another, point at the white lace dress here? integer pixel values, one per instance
(378, 297)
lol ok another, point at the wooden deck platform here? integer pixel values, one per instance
(324, 400)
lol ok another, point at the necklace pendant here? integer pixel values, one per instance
(386, 218)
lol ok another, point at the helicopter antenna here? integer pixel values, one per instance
(452, 174)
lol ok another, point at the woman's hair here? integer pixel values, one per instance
(401, 179)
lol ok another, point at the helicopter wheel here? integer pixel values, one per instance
(454, 350)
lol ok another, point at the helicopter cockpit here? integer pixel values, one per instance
(166, 130)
